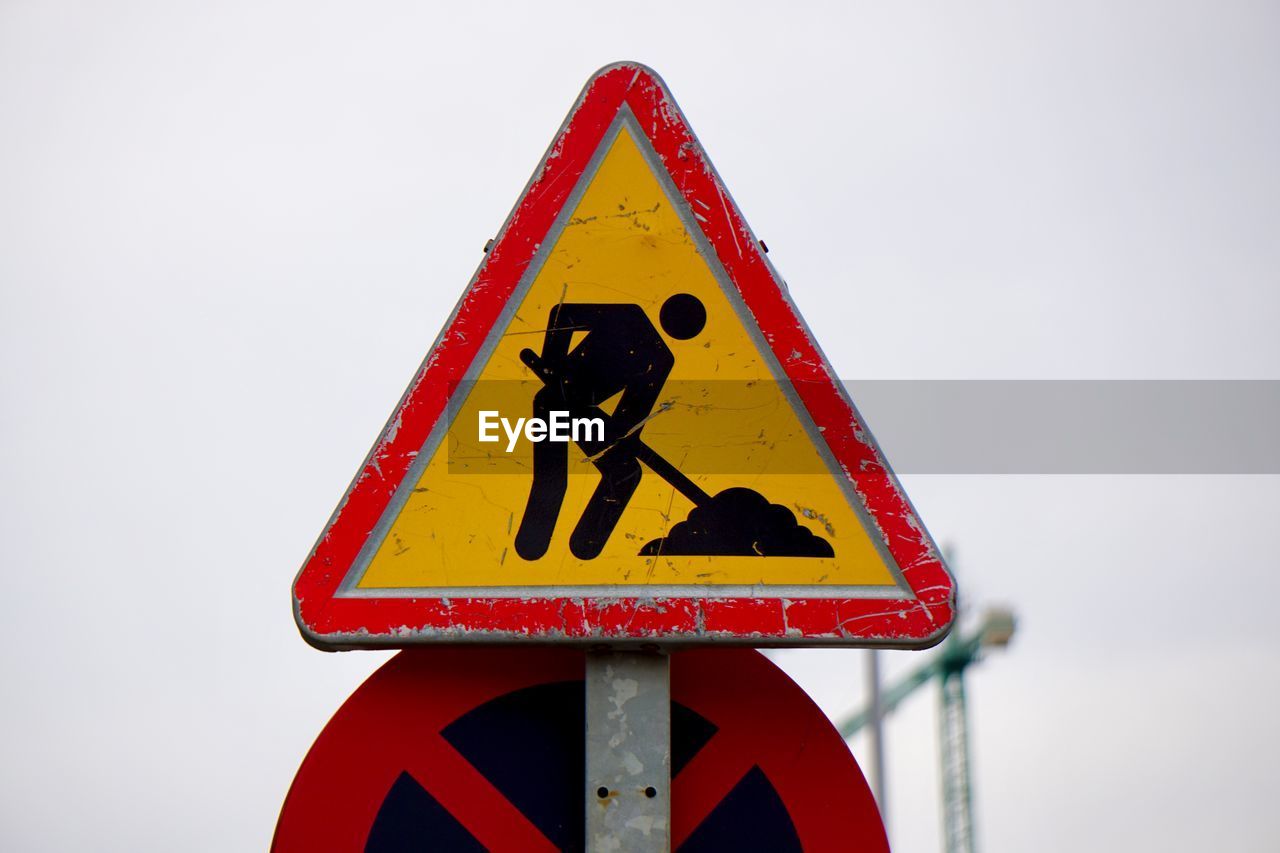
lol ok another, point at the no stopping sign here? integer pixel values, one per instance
(462, 748)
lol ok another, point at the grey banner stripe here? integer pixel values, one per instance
(1075, 426)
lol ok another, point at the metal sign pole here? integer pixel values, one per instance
(628, 752)
(875, 708)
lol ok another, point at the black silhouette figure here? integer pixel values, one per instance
(621, 353)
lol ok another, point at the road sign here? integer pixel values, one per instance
(625, 432)
(472, 749)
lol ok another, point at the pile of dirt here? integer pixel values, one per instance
(739, 523)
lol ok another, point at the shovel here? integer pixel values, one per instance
(642, 452)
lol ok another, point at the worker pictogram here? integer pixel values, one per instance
(621, 353)
(458, 748)
(625, 431)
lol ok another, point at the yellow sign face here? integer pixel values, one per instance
(703, 470)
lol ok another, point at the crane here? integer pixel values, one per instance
(957, 653)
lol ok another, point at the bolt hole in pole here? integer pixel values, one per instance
(628, 752)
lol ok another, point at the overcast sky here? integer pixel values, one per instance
(229, 232)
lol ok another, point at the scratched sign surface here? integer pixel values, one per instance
(625, 433)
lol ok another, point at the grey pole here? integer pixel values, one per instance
(628, 794)
(875, 730)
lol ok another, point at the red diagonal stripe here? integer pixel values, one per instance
(475, 802)
(706, 780)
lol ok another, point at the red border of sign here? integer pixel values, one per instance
(335, 622)
(392, 724)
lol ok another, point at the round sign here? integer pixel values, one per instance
(466, 748)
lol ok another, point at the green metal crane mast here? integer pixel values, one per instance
(957, 653)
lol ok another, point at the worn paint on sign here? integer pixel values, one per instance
(625, 243)
(734, 494)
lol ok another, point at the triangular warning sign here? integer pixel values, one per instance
(625, 432)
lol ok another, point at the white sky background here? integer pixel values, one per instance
(228, 236)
